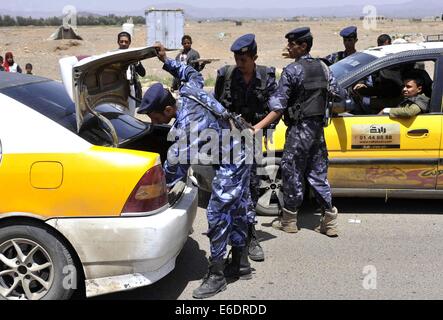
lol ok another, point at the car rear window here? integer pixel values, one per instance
(48, 98)
(127, 127)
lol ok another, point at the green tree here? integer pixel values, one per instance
(9, 21)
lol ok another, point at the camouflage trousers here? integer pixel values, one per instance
(228, 209)
(255, 192)
(305, 157)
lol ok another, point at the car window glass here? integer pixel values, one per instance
(384, 88)
(126, 126)
(50, 99)
(350, 64)
(430, 68)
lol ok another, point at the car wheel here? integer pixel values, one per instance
(34, 264)
(270, 188)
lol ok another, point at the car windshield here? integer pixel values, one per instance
(351, 64)
(50, 99)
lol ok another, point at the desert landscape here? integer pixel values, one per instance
(211, 38)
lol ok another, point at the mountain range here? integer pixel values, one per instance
(410, 9)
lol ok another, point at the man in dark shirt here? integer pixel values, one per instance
(245, 89)
(349, 35)
(189, 57)
(124, 41)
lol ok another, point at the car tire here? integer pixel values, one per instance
(36, 262)
(270, 187)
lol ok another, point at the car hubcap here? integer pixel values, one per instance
(26, 270)
(270, 187)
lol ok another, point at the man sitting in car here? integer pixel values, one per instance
(414, 102)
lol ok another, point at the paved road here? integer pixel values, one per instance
(385, 251)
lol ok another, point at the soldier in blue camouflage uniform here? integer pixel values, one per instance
(230, 200)
(245, 88)
(301, 95)
(349, 35)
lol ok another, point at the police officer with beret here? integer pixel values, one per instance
(302, 97)
(195, 112)
(245, 88)
(349, 35)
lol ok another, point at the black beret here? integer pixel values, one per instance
(349, 32)
(154, 98)
(245, 43)
(298, 34)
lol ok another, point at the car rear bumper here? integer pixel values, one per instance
(123, 253)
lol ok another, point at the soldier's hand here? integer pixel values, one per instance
(161, 51)
(359, 86)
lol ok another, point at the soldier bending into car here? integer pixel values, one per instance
(230, 200)
(302, 96)
(245, 89)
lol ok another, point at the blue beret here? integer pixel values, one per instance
(155, 97)
(298, 34)
(349, 32)
(245, 43)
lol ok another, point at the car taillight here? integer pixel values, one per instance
(149, 194)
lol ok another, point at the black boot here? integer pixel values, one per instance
(239, 266)
(255, 250)
(213, 283)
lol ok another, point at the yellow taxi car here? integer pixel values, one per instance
(75, 212)
(372, 155)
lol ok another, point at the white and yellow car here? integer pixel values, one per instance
(75, 212)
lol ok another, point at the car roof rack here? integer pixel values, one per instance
(434, 37)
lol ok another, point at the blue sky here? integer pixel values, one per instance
(130, 5)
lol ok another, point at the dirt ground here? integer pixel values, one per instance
(211, 39)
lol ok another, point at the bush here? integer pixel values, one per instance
(109, 20)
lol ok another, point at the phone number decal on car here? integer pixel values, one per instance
(375, 136)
